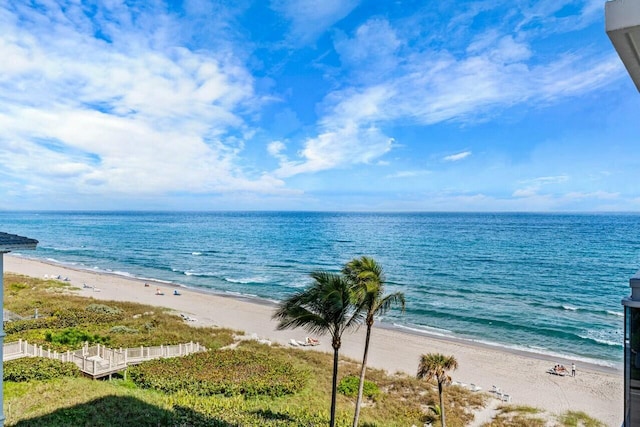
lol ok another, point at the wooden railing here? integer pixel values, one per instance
(99, 361)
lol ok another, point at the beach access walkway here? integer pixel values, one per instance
(99, 361)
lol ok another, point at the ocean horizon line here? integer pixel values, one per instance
(281, 211)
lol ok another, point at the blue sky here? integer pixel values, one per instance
(315, 105)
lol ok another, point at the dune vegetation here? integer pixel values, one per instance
(235, 383)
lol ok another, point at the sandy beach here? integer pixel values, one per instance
(596, 390)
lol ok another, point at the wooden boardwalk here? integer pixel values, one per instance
(99, 361)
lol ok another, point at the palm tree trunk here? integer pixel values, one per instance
(362, 373)
(334, 387)
(441, 404)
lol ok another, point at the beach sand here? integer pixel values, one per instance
(596, 390)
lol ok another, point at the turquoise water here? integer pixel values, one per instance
(548, 283)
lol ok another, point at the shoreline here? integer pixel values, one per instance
(591, 364)
(596, 390)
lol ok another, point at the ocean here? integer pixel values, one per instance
(543, 283)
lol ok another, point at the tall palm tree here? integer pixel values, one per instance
(436, 365)
(325, 306)
(368, 279)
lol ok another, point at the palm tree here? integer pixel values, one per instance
(436, 365)
(326, 306)
(367, 277)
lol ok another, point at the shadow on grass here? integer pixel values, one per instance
(270, 415)
(120, 411)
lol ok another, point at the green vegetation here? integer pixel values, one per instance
(367, 278)
(38, 368)
(63, 400)
(578, 419)
(65, 317)
(525, 416)
(105, 309)
(326, 306)
(517, 416)
(435, 366)
(349, 387)
(74, 337)
(226, 372)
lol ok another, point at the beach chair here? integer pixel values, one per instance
(293, 342)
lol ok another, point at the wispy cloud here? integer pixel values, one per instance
(310, 18)
(339, 147)
(601, 195)
(348, 137)
(533, 186)
(397, 80)
(409, 173)
(457, 157)
(146, 116)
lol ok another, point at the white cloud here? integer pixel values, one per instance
(409, 174)
(371, 53)
(339, 147)
(275, 148)
(457, 157)
(544, 16)
(427, 87)
(600, 195)
(132, 116)
(310, 18)
(497, 71)
(533, 186)
(543, 180)
(348, 136)
(525, 192)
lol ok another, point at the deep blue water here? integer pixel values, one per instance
(549, 283)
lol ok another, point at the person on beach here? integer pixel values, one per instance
(573, 369)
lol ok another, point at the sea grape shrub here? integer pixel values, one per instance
(38, 368)
(73, 337)
(64, 318)
(348, 386)
(226, 372)
(120, 329)
(103, 309)
(28, 324)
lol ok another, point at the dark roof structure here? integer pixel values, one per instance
(12, 242)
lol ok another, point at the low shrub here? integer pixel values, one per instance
(123, 330)
(102, 308)
(230, 372)
(63, 319)
(349, 387)
(71, 317)
(38, 368)
(73, 337)
(27, 324)
(579, 418)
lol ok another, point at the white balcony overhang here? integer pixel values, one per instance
(622, 22)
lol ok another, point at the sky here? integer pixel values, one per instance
(321, 105)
